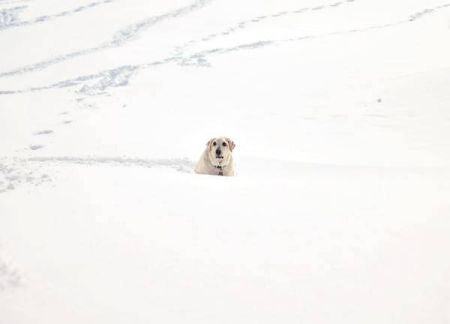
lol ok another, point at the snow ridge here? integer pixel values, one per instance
(179, 164)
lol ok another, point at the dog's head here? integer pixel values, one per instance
(219, 150)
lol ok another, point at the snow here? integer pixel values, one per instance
(339, 212)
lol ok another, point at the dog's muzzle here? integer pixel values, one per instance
(219, 154)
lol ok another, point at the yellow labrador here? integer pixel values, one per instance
(217, 158)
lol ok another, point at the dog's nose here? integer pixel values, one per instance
(218, 152)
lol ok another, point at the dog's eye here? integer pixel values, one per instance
(224, 144)
(214, 143)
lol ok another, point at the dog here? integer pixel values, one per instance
(217, 158)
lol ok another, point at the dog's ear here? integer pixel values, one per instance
(209, 143)
(231, 144)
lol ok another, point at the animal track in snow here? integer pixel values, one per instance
(246, 23)
(17, 172)
(10, 16)
(19, 23)
(44, 132)
(35, 147)
(9, 277)
(180, 164)
(98, 83)
(118, 39)
(424, 12)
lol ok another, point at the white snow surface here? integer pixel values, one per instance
(340, 210)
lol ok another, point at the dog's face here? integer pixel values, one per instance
(219, 150)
